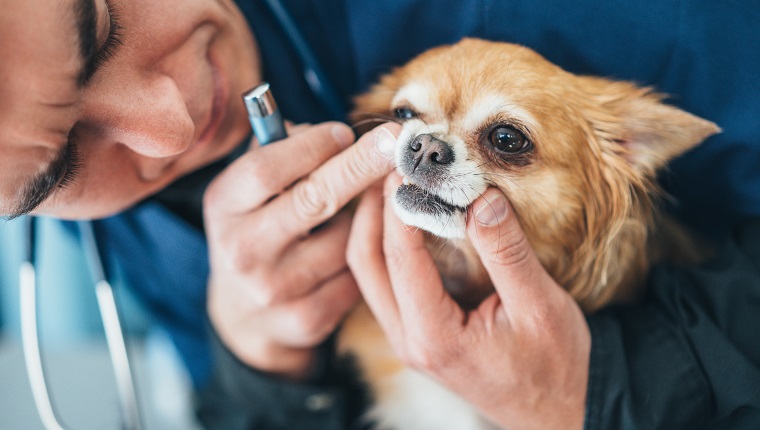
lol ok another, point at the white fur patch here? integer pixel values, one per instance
(419, 403)
(419, 95)
(487, 105)
(442, 225)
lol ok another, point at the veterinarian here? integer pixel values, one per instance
(127, 111)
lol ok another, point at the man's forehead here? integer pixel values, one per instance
(40, 56)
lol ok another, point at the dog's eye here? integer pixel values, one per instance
(405, 113)
(508, 139)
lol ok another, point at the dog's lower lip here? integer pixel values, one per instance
(417, 200)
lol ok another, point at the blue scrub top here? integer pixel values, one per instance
(704, 54)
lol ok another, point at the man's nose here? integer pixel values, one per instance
(145, 112)
(429, 151)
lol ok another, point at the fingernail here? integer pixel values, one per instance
(492, 209)
(386, 143)
(343, 135)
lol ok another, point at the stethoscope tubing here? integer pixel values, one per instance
(109, 315)
(31, 346)
(312, 72)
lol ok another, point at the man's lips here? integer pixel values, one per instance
(417, 200)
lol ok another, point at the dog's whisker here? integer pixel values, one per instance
(371, 120)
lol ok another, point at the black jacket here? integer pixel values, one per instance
(687, 357)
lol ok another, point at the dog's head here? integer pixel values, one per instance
(576, 155)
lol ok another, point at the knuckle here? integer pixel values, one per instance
(246, 304)
(446, 358)
(313, 152)
(397, 257)
(241, 262)
(318, 143)
(433, 353)
(511, 251)
(239, 253)
(267, 292)
(313, 201)
(547, 322)
(231, 251)
(259, 175)
(394, 255)
(253, 174)
(541, 319)
(420, 357)
(312, 325)
(304, 322)
(306, 273)
(360, 165)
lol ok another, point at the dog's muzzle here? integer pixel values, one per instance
(425, 163)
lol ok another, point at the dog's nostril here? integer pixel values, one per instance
(429, 150)
(442, 155)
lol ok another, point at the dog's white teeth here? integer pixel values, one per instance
(408, 181)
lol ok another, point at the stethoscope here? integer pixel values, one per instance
(109, 316)
(130, 416)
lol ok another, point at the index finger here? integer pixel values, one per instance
(319, 196)
(265, 171)
(423, 303)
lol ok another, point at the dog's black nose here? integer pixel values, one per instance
(430, 151)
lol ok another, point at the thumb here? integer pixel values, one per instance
(508, 257)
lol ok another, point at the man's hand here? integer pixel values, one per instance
(279, 285)
(521, 357)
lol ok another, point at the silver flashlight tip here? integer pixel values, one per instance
(259, 101)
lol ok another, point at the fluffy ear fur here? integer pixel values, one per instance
(374, 107)
(650, 132)
(637, 135)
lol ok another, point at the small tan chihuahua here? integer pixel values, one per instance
(576, 156)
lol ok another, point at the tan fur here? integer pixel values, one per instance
(587, 198)
(603, 140)
(366, 339)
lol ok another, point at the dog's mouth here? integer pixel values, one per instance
(416, 199)
(419, 207)
(435, 195)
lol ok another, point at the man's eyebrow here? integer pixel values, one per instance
(39, 188)
(86, 22)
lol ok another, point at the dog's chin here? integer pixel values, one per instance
(420, 208)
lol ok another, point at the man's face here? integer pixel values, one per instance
(103, 104)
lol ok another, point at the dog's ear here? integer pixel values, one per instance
(650, 132)
(373, 108)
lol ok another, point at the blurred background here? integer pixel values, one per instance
(74, 351)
